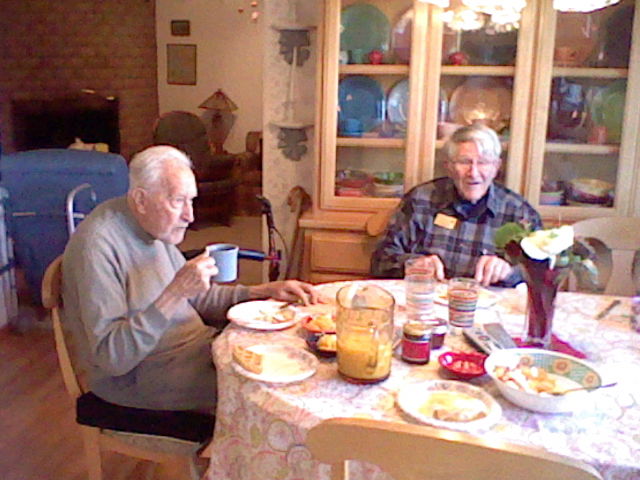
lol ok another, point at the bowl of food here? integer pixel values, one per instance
(539, 380)
(463, 365)
(320, 332)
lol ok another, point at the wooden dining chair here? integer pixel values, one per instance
(412, 452)
(616, 241)
(178, 457)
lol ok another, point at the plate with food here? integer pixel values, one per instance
(486, 298)
(273, 363)
(264, 315)
(449, 404)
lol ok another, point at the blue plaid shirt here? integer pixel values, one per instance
(412, 231)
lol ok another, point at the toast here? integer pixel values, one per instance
(248, 359)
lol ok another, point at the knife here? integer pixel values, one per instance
(607, 309)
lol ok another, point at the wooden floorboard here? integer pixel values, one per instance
(40, 439)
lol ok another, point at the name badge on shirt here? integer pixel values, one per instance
(445, 221)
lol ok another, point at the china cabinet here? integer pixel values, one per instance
(398, 76)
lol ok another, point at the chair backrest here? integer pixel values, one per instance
(412, 452)
(617, 242)
(186, 131)
(377, 223)
(52, 300)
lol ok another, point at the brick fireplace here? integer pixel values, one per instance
(52, 51)
(59, 122)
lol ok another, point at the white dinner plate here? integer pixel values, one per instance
(280, 364)
(252, 315)
(412, 397)
(486, 298)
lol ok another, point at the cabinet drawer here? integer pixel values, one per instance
(341, 252)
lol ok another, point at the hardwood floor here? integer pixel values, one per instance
(40, 439)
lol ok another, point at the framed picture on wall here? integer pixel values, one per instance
(181, 64)
(180, 28)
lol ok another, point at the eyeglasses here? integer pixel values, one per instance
(467, 163)
(180, 202)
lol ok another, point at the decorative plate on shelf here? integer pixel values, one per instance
(398, 104)
(361, 101)
(364, 27)
(401, 37)
(576, 39)
(483, 99)
(607, 108)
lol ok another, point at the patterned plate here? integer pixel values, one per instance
(255, 315)
(281, 364)
(413, 397)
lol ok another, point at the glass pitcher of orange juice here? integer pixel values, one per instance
(364, 328)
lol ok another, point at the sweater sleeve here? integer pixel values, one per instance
(96, 296)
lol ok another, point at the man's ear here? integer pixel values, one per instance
(139, 200)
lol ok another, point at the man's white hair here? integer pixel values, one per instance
(485, 138)
(147, 167)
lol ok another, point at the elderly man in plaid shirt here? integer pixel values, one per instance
(451, 221)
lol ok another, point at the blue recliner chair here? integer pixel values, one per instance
(38, 183)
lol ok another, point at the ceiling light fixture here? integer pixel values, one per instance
(492, 7)
(438, 3)
(582, 5)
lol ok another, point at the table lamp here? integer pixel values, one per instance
(221, 120)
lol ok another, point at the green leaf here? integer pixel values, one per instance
(510, 232)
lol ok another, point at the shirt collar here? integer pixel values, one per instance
(451, 198)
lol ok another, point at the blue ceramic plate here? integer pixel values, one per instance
(364, 28)
(398, 104)
(362, 105)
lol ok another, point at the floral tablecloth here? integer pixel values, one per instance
(261, 428)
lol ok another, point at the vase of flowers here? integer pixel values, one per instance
(545, 257)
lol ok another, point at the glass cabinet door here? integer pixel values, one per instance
(481, 80)
(367, 72)
(585, 165)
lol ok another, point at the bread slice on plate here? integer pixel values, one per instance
(248, 359)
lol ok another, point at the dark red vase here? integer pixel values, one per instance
(542, 288)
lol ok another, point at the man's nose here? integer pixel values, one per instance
(473, 170)
(187, 212)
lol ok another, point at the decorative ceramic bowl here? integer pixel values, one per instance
(590, 190)
(319, 340)
(389, 178)
(567, 372)
(552, 198)
(463, 365)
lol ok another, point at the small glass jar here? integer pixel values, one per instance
(416, 342)
(438, 333)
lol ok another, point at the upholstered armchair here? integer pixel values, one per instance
(217, 175)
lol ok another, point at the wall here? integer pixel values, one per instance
(242, 57)
(229, 56)
(280, 173)
(56, 48)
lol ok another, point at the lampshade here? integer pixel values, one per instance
(219, 101)
(582, 5)
(439, 3)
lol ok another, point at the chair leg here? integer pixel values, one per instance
(93, 457)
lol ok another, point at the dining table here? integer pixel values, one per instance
(261, 427)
